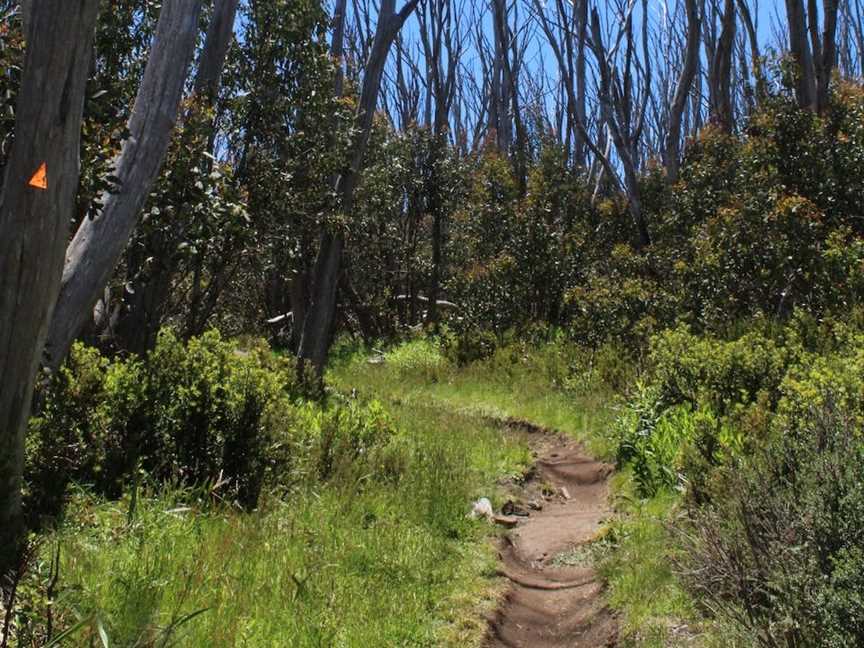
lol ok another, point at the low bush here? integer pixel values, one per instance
(762, 434)
(190, 414)
(780, 551)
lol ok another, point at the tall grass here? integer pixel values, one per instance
(385, 557)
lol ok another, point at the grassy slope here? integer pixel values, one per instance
(634, 559)
(513, 384)
(373, 563)
(358, 564)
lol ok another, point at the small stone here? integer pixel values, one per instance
(508, 521)
(565, 492)
(534, 505)
(482, 509)
(512, 508)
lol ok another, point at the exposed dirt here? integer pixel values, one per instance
(555, 599)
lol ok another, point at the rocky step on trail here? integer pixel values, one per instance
(551, 602)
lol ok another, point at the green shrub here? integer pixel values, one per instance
(344, 440)
(651, 440)
(780, 551)
(467, 345)
(423, 358)
(196, 413)
(703, 370)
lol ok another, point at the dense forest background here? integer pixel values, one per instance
(206, 204)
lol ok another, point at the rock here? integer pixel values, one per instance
(565, 492)
(534, 505)
(508, 521)
(482, 509)
(512, 508)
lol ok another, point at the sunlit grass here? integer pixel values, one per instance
(512, 384)
(377, 561)
(370, 561)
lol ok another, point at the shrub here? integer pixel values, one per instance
(781, 549)
(463, 346)
(197, 413)
(343, 440)
(421, 357)
(723, 374)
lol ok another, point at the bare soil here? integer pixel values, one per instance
(555, 599)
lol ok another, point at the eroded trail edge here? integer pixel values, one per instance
(555, 597)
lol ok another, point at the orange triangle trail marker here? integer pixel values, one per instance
(40, 178)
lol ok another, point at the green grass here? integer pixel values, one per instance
(514, 383)
(374, 561)
(635, 560)
(371, 560)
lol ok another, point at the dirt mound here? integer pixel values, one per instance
(554, 600)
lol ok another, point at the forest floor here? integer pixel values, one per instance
(556, 596)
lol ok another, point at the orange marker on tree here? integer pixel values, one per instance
(40, 178)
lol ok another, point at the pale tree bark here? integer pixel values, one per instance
(220, 32)
(152, 279)
(568, 46)
(672, 151)
(318, 326)
(34, 223)
(99, 242)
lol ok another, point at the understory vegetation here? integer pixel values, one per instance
(255, 407)
(340, 524)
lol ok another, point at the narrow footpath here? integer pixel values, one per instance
(555, 598)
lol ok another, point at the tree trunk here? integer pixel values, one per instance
(99, 242)
(318, 326)
(220, 31)
(617, 113)
(720, 73)
(144, 307)
(34, 224)
(824, 49)
(682, 90)
(805, 86)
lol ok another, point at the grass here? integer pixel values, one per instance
(369, 560)
(515, 383)
(372, 561)
(634, 557)
(635, 560)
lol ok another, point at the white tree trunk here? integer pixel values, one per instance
(96, 248)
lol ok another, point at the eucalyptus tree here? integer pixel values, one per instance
(565, 27)
(671, 151)
(155, 254)
(442, 43)
(623, 95)
(813, 52)
(36, 205)
(98, 244)
(720, 52)
(319, 320)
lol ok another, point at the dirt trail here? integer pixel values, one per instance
(553, 603)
